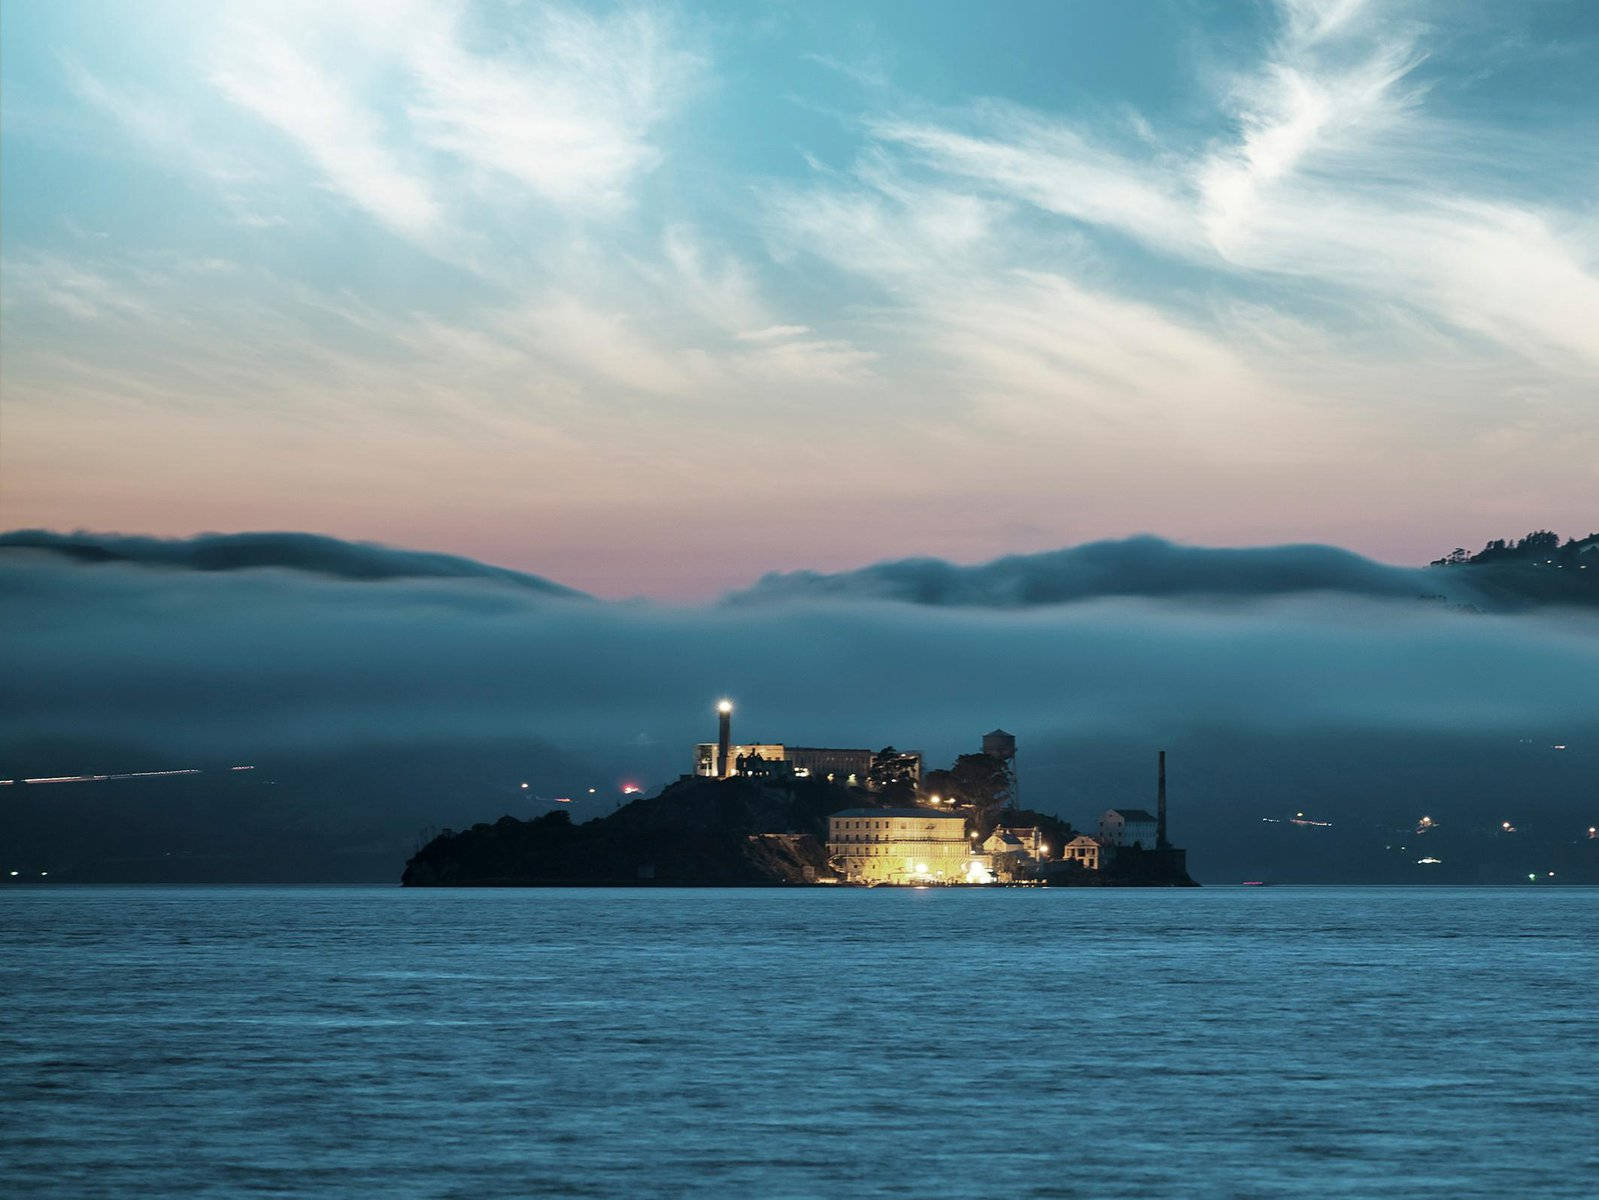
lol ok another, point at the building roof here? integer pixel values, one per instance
(931, 813)
(1131, 814)
(998, 733)
(1083, 837)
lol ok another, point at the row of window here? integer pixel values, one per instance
(944, 848)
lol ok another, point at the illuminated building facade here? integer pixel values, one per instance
(849, 767)
(707, 753)
(720, 759)
(1029, 840)
(901, 846)
(1084, 850)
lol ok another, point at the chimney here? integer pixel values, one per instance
(724, 736)
(1160, 807)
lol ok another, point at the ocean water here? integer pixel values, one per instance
(1315, 1042)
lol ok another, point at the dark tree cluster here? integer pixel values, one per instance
(893, 776)
(979, 780)
(1540, 546)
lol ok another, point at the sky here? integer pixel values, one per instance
(651, 300)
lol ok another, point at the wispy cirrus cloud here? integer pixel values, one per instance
(566, 110)
(1332, 171)
(419, 117)
(316, 110)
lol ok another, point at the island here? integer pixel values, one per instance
(768, 814)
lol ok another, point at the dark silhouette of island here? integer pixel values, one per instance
(701, 832)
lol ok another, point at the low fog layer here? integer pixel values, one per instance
(108, 662)
(235, 660)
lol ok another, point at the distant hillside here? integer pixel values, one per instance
(307, 552)
(1138, 566)
(1504, 576)
(1501, 578)
(1536, 569)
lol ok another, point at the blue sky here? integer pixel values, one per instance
(652, 299)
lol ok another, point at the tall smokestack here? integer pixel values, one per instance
(724, 736)
(1160, 806)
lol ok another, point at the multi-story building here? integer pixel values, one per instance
(849, 767)
(1128, 827)
(901, 845)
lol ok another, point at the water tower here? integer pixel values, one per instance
(1000, 745)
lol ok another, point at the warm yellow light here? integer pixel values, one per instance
(724, 707)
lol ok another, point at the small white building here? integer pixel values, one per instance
(1031, 837)
(1085, 850)
(1004, 841)
(1127, 827)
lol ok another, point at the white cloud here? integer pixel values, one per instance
(713, 285)
(565, 110)
(265, 73)
(773, 332)
(1057, 169)
(1336, 174)
(420, 120)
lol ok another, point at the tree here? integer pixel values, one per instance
(981, 780)
(893, 775)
